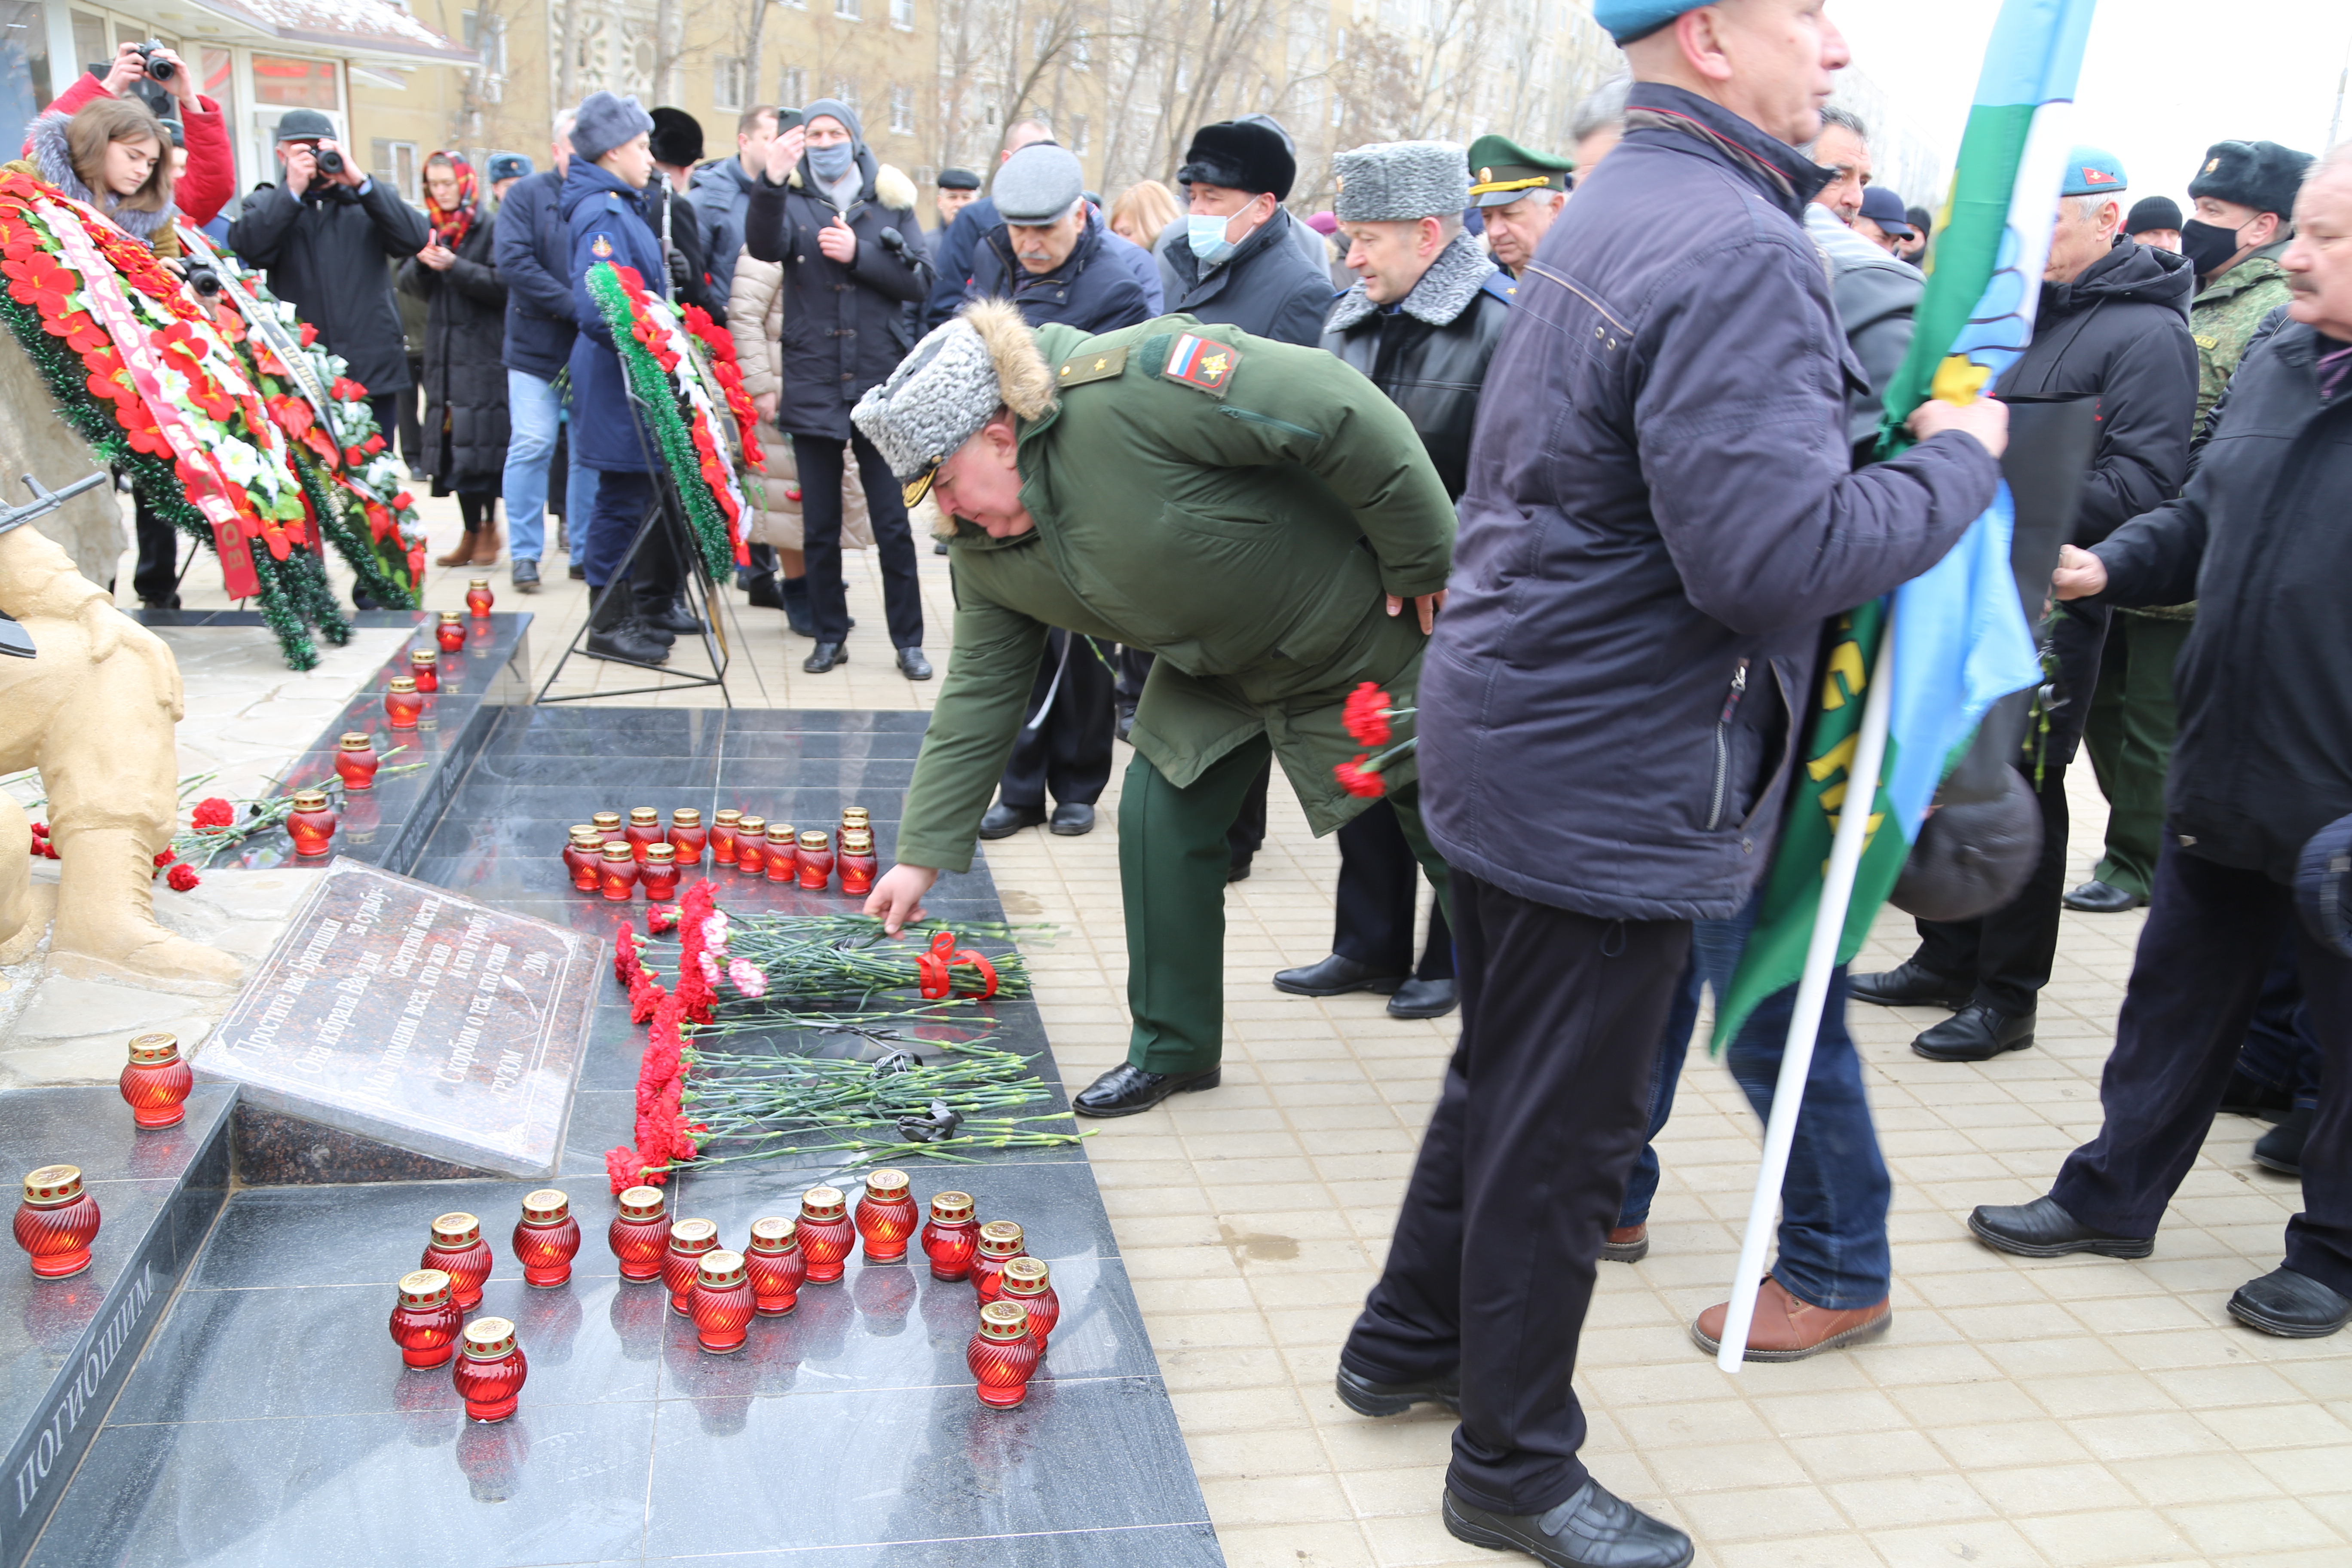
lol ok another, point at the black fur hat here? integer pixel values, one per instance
(2262, 175)
(676, 138)
(1240, 155)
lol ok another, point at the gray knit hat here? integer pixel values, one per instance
(605, 123)
(1038, 183)
(1397, 182)
(953, 382)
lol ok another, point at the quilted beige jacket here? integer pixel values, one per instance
(755, 316)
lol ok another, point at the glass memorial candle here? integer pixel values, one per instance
(312, 824)
(356, 762)
(490, 1373)
(776, 1266)
(751, 845)
(425, 668)
(57, 1222)
(686, 836)
(1000, 1244)
(617, 873)
(781, 852)
(722, 1303)
(952, 1235)
(155, 1082)
(814, 857)
(401, 702)
(1002, 1355)
(546, 1238)
(858, 865)
(580, 855)
(855, 818)
(644, 827)
(639, 1234)
(478, 597)
(608, 824)
(1028, 1281)
(825, 1233)
(690, 1240)
(425, 1321)
(458, 1250)
(451, 631)
(723, 825)
(887, 1217)
(659, 873)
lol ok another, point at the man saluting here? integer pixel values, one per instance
(1255, 513)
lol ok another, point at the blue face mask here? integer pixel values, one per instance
(832, 163)
(1206, 235)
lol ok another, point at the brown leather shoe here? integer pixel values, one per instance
(460, 553)
(1786, 1329)
(1627, 1244)
(485, 546)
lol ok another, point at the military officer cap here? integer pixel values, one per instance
(953, 382)
(1501, 171)
(2262, 175)
(1398, 182)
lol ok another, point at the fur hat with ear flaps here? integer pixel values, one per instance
(951, 384)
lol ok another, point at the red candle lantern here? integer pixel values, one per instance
(1000, 1244)
(776, 1266)
(1002, 1355)
(780, 853)
(608, 824)
(451, 631)
(356, 762)
(156, 1082)
(478, 597)
(1028, 1281)
(458, 1250)
(724, 825)
(644, 827)
(490, 1373)
(312, 824)
(825, 1233)
(722, 1302)
(858, 866)
(952, 1236)
(546, 1238)
(751, 845)
(582, 854)
(815, 859)
(686, 836)
(401, 702)
(690, 1240)
(425, 1321)
(425, 668)
(887, 1217)
(617, 873)
(855, 818)
(659, 873)
(639, 1234)
(57, 1222)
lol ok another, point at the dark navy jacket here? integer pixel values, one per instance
(1090, 291)
(605, 223)
(959, 255)
(1661, 513)
(532, 252)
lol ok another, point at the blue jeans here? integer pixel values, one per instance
(1834, 1198)
(534, 412)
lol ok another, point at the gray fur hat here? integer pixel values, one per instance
(1397, 182)
(953, 382)
(605, 123)
(1038, 183)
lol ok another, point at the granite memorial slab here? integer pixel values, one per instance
(409, 1014)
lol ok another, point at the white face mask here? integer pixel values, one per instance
(1205, 233)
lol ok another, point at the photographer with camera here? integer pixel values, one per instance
(323, 233)
(157, 75)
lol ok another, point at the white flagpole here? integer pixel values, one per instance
(1812, 990)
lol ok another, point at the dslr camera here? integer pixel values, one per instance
(203, 278)
(160, 70)
(326, 160)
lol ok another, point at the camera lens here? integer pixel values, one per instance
(330, 161)
(161, 70)
(203, 279)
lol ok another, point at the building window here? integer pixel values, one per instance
(730, 83)
(394, 163)
(1081, 57)
(902, 112)
(795, 87)
(294, 84)
(24, 67)
(846, 90)
(848, 9)
(902, 12)
(1079, 134)
(488, 39)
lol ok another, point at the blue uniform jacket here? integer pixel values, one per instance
(607, 225)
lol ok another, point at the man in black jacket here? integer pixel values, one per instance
(2112, 324)
(530, 248)
(2262, 764)
(1422, 321)
(1048, 258)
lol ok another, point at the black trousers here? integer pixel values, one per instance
(157, 579)
(1069, 750)
(1519, 1178)
(1246, 836)
(1379, 893)
(2210, 935)
(820, 460)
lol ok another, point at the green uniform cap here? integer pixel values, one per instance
(1501, 172)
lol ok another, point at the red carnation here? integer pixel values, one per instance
(165, 857)
(1358, 780)
(213, 812)
(1366, 714)
(309, 333)
(626, 1168)
(661, 917)
(181, 878)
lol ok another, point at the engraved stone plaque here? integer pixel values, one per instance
(404, 1013)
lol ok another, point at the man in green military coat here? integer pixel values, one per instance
(1256, 514)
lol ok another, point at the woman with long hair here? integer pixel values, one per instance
(1143, 210)
(112, 154)
(465, 384)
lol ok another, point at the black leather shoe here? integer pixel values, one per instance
(1126, 1089)
(1336, 976)
(2290, 1305)
(1365, 1398)
(2281, 1148)
(1004, 821)
(1594, 1528)
(1126, 717)
(2098, 898)
(525, 575)
(673, 616)
(577, 571)
(1071, 819)
(1237, 869)
(1909, 986)
(1974, 1035)
(627, 642)
(761, 593)
(824, 657)
(2250, 1097)
(913, 665)
(1424, 999)
(2042, 1229)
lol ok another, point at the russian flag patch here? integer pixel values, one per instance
(1203, 362)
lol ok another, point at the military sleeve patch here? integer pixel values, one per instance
(600, 249)
(1203, 362)
(1079, 369)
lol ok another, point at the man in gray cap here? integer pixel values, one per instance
(1254, 513)
(956, 190)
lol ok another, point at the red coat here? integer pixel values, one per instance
(211, 178)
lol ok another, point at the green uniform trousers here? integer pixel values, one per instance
(2128, 733)
(1172, 865)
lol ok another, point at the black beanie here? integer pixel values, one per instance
(1241, 155)
(676, 138)
(2262, 175)
(2152, 212)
